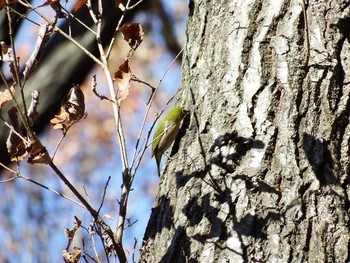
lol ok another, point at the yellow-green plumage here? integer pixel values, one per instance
(166, 133)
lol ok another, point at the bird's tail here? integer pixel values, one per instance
(158, 159)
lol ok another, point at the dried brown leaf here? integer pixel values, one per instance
(32, 112)
(5, 55)
(79, 5)
(122, 77)
(38, 153)
(119, 4)
(71, 257)
(72, 110)
(78, 222)
(56, 6)
(71, 232)
(108, 243)
(12, 67)
(44, 34)
(15, 145)
(133, 34)
(5, 96)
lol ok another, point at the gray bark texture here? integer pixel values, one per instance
(262, 169)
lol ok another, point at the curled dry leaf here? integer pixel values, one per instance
(108, 243)
(56, 6)
(5, 55)
(79, 5)
(108, 216)
(133, 34)
(123, 76)
(5, 96)
(38, 153)
(18, 148)
(44, 34)
(73, 256)
(72, 110)
(119, 4)
(71, 232)
(32, 112)
(15, 145)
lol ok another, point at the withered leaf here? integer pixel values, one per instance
(119, 4)
(72, 110)
(122, 77)
(38, 153)
(79, 5)
(73, 256)
(108, 243)
(56, 6)
(5, 55)
(44, 34)
(15, 145)
(78, 222)
(71, 232)
(32, 112)
(133, 34)
(5, 96)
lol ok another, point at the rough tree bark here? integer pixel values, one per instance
(262, 171)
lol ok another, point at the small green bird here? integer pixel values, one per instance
(166, 133)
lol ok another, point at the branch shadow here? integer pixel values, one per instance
(200, 207)
(320, 159)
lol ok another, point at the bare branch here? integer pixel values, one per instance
(104, 194)
(10, 170)
(94, 90)
(136, 150)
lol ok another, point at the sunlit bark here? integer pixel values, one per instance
(262, 172)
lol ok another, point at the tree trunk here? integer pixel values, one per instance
(262, 171)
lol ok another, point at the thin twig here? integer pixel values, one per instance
(127, 8)
(133, 254)
(143, 149)
(4, 79)
(171, 63)
(92, 14)
(8, 169)
(79, 21)
(94, 90)
(94, 247)
(9, 179)
(134, 5)
(118, 236)
(24, 16)
(19, 176)
(58, 145)
(92, 211)
(104, 194)
(51, 190)
(98, 219)
(14, 131)
(23, 115)
(60, 31)
(146, 116)
(122, 145)
(136, 79)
